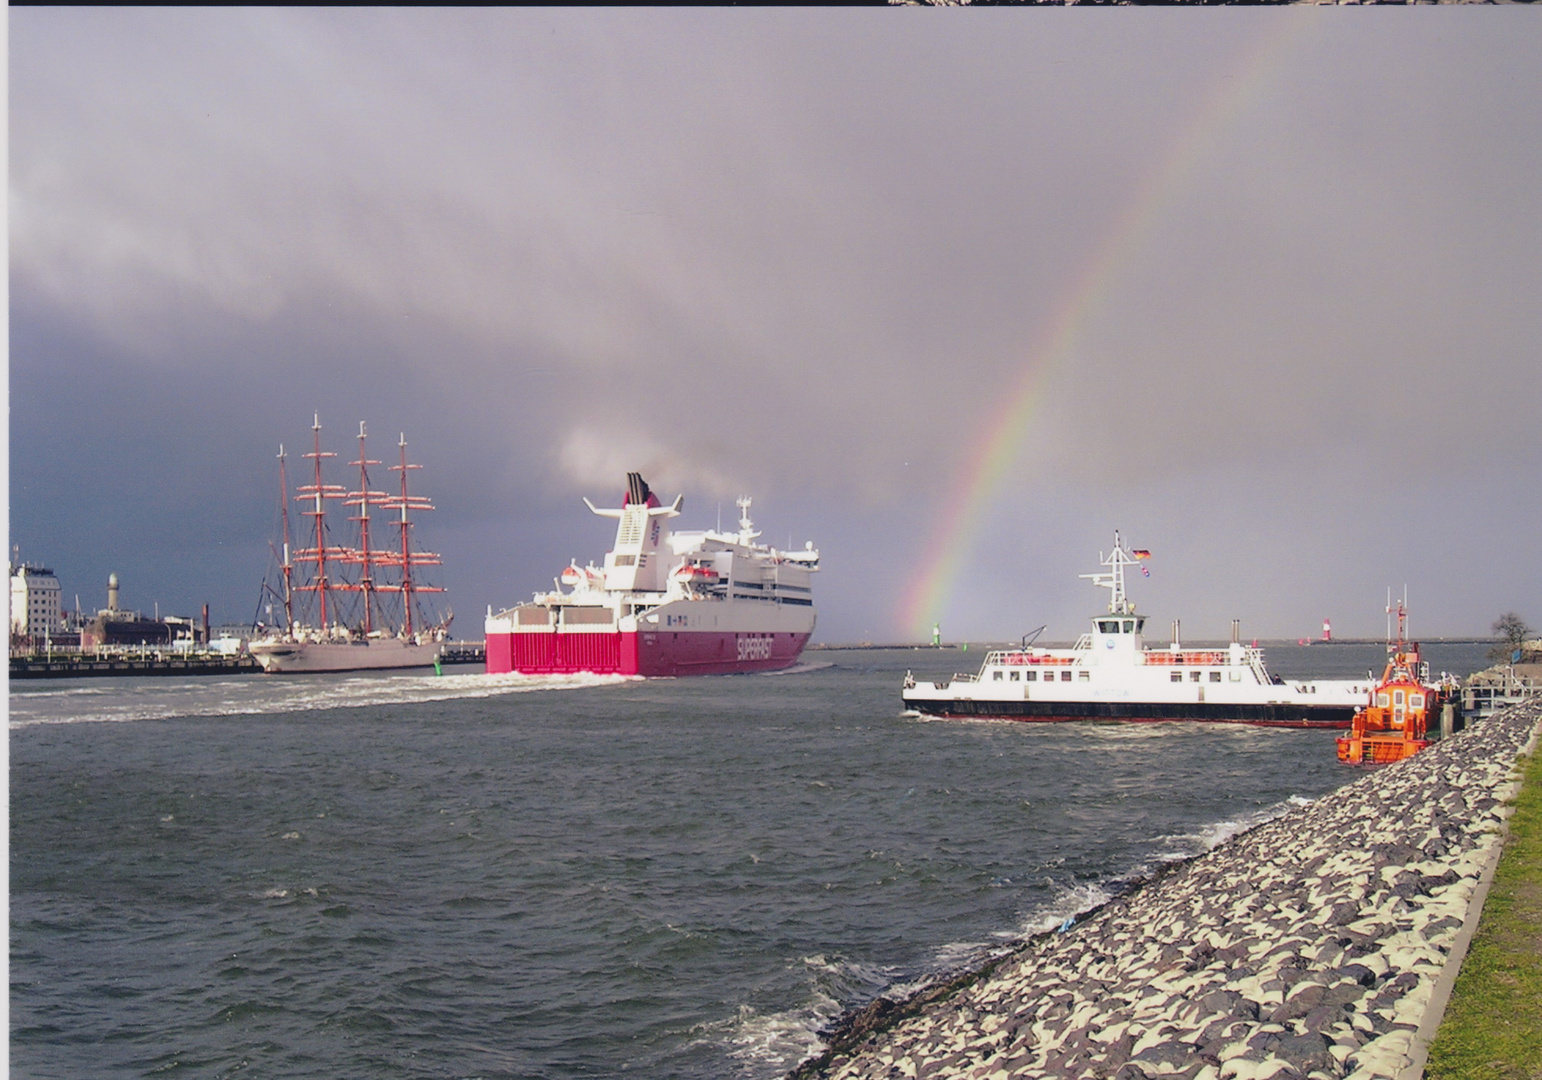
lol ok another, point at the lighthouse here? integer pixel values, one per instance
(1327, 630)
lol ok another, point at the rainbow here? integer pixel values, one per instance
(997, 450)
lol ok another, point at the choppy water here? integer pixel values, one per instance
(406, 876)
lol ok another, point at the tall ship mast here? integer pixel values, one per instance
(348, 605)
(664, 603)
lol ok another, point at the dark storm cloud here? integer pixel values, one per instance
(796, 253)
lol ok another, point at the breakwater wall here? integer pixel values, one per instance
(89, 665)
(1318, 945)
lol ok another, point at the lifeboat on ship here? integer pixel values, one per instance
(1395, 724)
(581, 577)
(689, 573)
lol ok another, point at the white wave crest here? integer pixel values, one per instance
(765, 1044)
(1067, 903)
(1209, 837)
(779, 1040)
(801, 669)
(259, 695)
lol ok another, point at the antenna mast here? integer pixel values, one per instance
(1400, 609)
(747, 531)
(1113, 580)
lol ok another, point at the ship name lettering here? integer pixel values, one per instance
(755, 648)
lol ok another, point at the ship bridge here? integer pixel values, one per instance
(1117, 639)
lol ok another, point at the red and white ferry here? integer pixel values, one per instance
(664, 603)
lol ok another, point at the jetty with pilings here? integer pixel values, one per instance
(1322, 944)
(86, 665)
(147, 662)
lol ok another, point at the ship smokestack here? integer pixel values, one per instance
(1177, 638)
(1236, 631)
(636, 490)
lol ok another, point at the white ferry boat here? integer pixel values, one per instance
(1111, 674)
(664, 603)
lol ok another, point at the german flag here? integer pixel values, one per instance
(1141, 553)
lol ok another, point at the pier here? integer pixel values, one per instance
(85, 665)
(463, 652)
(61, 664)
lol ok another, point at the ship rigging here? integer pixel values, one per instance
(349, 594)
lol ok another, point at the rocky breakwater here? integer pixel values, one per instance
(1311, 946)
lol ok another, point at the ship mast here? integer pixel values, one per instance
(317, 493)
(1401, 611)
(407, 558)
(1113, 580)
(362, 498)
(747, 531)
(285, 566)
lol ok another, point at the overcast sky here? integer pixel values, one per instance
(806, 256)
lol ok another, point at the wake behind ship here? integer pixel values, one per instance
(664, 603)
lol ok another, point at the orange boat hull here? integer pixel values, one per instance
(1370, 750)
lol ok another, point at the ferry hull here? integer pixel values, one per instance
(1260, 715)
(313, 657)
(650, 653)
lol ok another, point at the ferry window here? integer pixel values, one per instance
(1236, 676)
(1194, 676)
(1215, 676)
(1177, 676)
(1084, 676)
(1416, 701)
(1014, 676)
(1065, 676)
(1129, 626)
(996, 675)
(1108, 626)
(1382, 701)
(1031, 676)
(1397, 697)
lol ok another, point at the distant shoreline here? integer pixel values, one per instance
(922, 646)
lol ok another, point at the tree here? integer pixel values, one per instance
(1512, 632)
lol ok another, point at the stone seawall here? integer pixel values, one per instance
(1312, 946)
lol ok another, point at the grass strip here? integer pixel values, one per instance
(1492, 1029)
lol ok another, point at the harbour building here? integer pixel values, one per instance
(37, 610)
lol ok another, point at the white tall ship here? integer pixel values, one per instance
(354, 605)
(1111, 674)
(664, 602)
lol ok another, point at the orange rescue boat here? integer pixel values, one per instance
(1395, 723)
